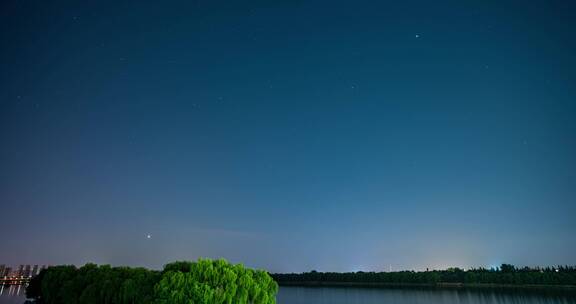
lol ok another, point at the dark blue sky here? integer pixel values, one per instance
(291, 135)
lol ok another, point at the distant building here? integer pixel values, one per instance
(26, 271)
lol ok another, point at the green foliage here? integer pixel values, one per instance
(202, 282)
(214, 282)
(507, 268)
(93, 284)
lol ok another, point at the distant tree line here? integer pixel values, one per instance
(505, 274)
(202, 282)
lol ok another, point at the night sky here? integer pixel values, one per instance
(288, 135)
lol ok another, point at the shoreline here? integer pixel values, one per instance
(430, 285)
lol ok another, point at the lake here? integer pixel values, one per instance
(345, 295)
(11, 294)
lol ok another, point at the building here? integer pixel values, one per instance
(7, 271)
(24, 271)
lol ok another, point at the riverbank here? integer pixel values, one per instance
(571, 288)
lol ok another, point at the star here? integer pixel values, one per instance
(417, 36)
(148, 236)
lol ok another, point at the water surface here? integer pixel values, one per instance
(345, 295)
(12, 294)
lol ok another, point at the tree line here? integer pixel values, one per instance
(202, 282)
(505, 274)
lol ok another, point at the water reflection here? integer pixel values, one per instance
(327, 295)
(12, 294)
(12, 290)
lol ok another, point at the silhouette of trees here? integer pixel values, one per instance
(506, 274)
(507, 268)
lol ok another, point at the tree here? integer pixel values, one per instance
(214, 282)
(507, 268)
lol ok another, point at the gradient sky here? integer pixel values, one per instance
(288, 135)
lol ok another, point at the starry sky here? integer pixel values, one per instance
(288, 135)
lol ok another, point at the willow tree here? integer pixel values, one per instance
(214, 282)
